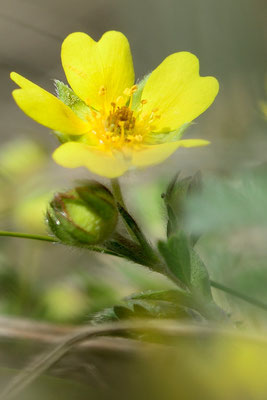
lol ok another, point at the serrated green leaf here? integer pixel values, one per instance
(156, 309)
(123, 312)
(178, 296)
(171, 187)
(176, 253)
(106, 315)
(200, 282)
(174, 198)
(186, 265)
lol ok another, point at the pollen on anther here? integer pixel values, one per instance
(134, 89)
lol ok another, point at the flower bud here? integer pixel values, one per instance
(85, 215)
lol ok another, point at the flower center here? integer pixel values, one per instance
(120, 121)
(121, 126)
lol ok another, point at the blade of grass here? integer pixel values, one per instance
(241, 296)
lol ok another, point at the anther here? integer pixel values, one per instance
(144, 101)
(134, 89)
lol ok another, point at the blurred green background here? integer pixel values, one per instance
(229, 37)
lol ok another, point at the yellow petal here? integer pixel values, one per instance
(155, 154)
(177, 90)
(45, 108)
(94, 66)
(74, 154)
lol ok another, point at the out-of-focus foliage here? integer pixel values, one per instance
(24, 196)
(223, 366)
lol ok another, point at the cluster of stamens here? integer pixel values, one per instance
(122, 126)
(120, 123)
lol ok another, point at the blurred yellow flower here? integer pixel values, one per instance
(107, 123)
(29, 212)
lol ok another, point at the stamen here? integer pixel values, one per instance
(117, 126)
(119, 101)
(134, 89)
(127, 92)
(130, 91)
(121, 124)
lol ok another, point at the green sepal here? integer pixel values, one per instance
(55, 226)
(98, 198)
(68, 232)
(68, 97)
(167, 137)
(138, 94)
(83, 216)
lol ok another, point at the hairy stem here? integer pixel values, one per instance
(29, 236)
(117, 193)
(216, 285)
(116, 189)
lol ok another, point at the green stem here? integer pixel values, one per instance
(28, 236)
(53, 240)
(133, 229)
(116, 188)
(216, 285)
(241, 296)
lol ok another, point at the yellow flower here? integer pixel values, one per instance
(107, 123)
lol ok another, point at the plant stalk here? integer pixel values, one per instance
(241, 296)
(116, 189)
(214, 284)
(29, 236)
